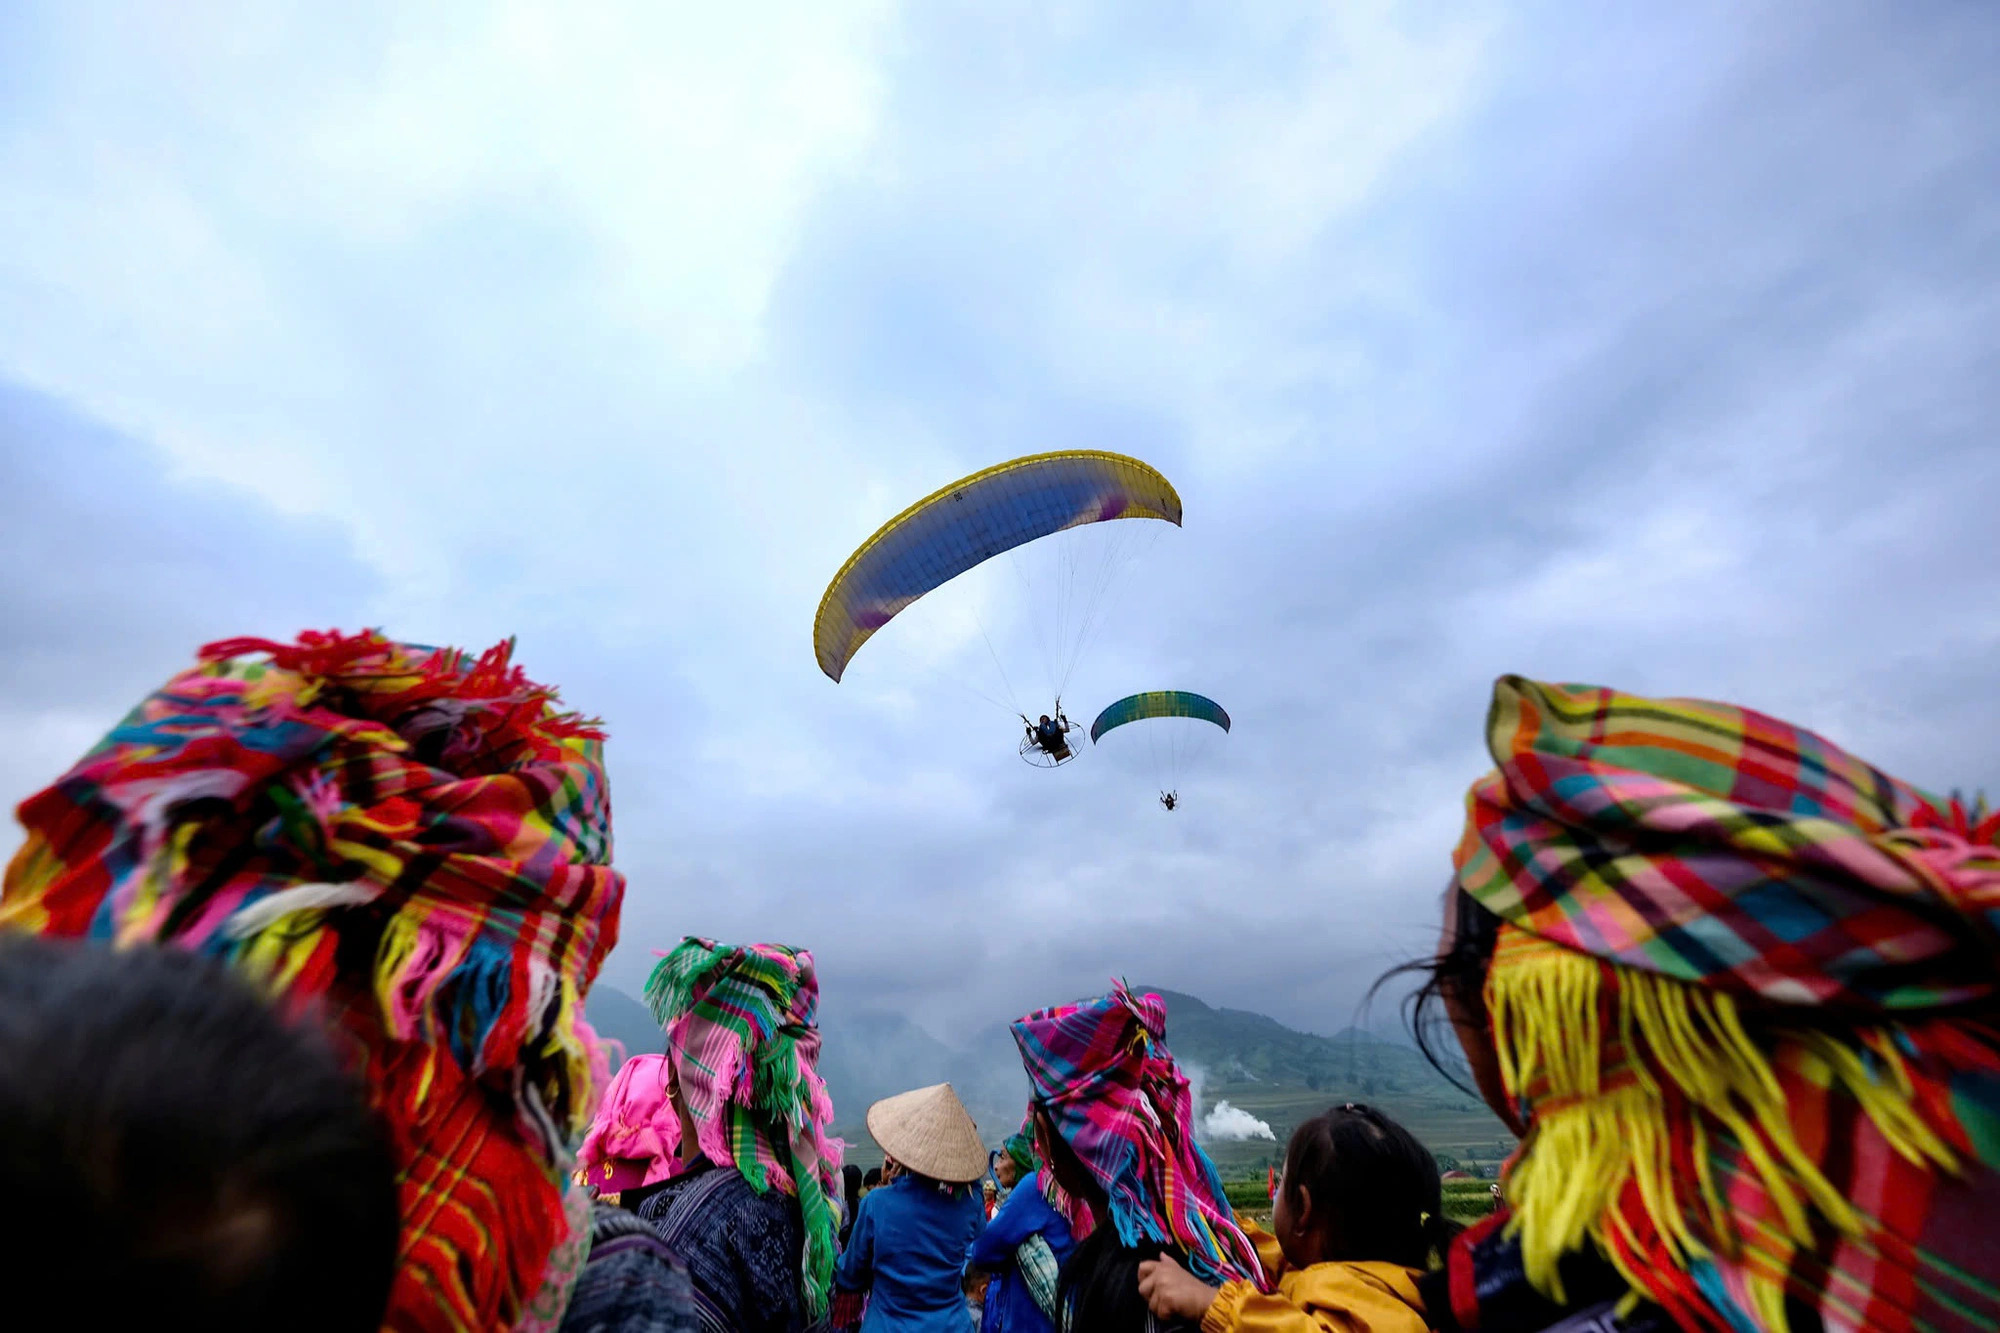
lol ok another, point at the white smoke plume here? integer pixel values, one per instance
(1224, 1123)
(1230, 1124)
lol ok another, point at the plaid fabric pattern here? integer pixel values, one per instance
(1040, 1271)
(1821, 1056)
(1104, 1074)
(1724, 847)
(741, 1025)
(408, 840)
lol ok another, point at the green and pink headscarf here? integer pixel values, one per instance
(741, 1024)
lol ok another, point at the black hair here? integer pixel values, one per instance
(173, 1153)
(850, 1200)
(872, 1178)
(1374, 1187)
(1458, 972)
(1098, 1288)
(1060, 1164)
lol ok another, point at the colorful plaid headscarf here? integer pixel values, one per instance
(741, 1031)
(1744, 996)
(414, 845)
(1103, 1073)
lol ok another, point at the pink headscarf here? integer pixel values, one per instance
(635, 1139)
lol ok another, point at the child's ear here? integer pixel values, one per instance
(1302, 1214)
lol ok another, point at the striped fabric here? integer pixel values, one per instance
(740, 1024)
(1040, 1272)
(1103, 1073)
(1743, 995)
(409, 840)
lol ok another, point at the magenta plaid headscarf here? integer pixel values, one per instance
(1103, 1073)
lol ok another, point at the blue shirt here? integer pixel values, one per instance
(908, 1252)
(1010, 1307)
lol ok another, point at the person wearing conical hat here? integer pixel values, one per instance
(906, 1256)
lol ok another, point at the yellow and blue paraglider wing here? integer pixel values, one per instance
(1158, 703)
(948, 532)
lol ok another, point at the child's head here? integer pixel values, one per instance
(1359, 1187)
(177, 1154)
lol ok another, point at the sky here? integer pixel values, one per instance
(1656, 349)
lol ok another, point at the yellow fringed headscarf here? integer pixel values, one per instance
(1632, 1081)
(1740, 996)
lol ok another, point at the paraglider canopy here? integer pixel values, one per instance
(1158, 703)
(968, 522)
(1171, 743)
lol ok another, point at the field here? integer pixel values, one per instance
(1465, 1201)
(1462, 1129)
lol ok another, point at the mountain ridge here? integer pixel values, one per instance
(1259, 1065)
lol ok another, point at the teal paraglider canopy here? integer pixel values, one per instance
(1158, 703)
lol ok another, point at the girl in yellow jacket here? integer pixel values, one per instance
(1359, 1214)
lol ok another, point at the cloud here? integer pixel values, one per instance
(112, 572)
(1650, 349)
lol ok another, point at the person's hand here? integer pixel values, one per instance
(1171, 1292)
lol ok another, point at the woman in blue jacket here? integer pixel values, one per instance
(1024, 1247)
(904, 1267)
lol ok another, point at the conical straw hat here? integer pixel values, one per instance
(929, 1131)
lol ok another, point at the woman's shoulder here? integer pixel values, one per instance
(1027, 1201)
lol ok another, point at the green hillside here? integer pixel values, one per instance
(1283, 1076)
(617, 1015)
